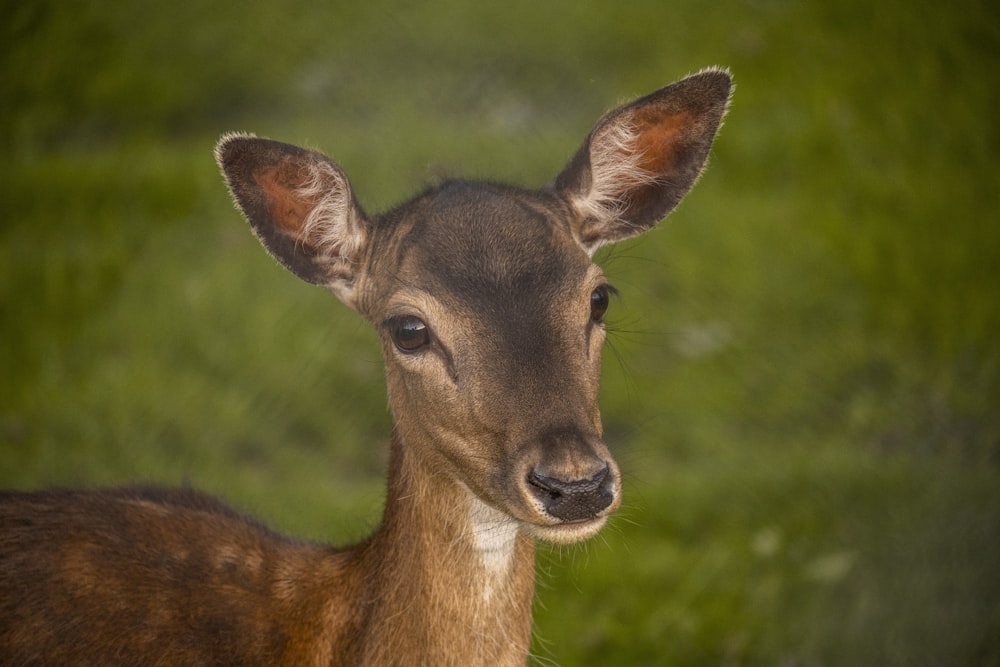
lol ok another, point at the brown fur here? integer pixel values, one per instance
(482, 296)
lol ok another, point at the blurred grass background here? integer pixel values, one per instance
(803, 381)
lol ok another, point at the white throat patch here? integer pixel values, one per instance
(494, 535)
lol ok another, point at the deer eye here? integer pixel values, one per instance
(408, 333)
(599, 300)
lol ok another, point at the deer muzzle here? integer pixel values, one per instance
(574, 499)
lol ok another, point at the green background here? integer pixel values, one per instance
(802, 383)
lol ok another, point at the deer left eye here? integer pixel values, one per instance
(599, 300)
(408, 333)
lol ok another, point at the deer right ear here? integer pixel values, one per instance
(642, 158)
(300, 206)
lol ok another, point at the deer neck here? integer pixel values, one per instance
(455, 577)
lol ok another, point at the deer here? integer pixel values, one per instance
(490, 311)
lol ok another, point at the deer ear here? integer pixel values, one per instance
(642, 158)
(300, 206)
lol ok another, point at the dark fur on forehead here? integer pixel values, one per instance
(475, 244)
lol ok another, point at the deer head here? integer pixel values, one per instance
(487, 303)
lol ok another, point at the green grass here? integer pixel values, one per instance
(803, 380)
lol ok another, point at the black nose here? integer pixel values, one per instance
(573, 500)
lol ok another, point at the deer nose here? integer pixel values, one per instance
(574, 499)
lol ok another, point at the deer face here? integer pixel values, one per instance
(491, 320)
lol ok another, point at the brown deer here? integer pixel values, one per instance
(490, 314)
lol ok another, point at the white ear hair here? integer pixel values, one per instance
(331, 227)
(616, 169)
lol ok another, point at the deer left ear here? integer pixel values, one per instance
(642, 158)
(300, 206)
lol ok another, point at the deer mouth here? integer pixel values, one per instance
(565, 511)
(568, 532)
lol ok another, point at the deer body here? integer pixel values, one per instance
(490, 313)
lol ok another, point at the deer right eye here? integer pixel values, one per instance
(600, 298)
(409, 333)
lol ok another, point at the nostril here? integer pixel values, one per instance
(544, 486)
(572, 500)
(558, 487)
